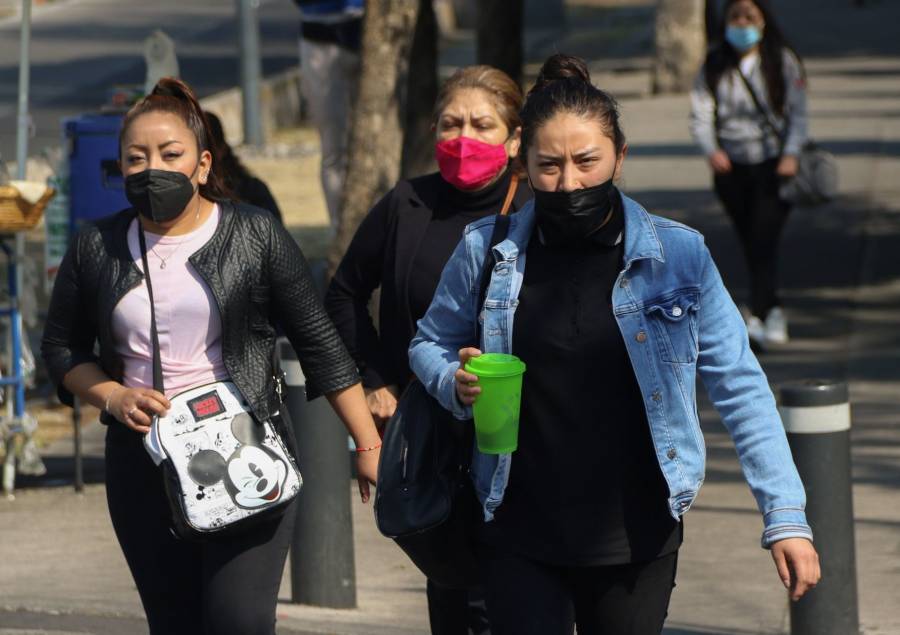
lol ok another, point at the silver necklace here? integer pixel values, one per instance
(162, 261)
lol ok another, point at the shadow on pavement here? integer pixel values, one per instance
(37, 623)
(61, 473)
(689, 630)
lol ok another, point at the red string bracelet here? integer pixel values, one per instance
(374, 447)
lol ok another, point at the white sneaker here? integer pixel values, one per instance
(776, 330)
(756, 330)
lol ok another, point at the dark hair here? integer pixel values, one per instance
(231, 171)
(174, 96)
(504, 92)
(564, 85)
(723, 58)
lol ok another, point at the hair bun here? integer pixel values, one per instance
(561, 67)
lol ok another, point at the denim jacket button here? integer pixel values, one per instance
(624, 283)
(641, 337)
(672, 453)
(676, 311)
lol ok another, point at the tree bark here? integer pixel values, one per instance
(376, 132)
(680, 44)
(500, 35)
(711, 20)
(421, 93)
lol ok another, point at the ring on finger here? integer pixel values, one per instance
(131, 412)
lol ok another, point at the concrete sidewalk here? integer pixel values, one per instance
(62, 570)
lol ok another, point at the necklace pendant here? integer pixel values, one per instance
(162, 265)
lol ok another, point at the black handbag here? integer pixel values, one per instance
(424, 498)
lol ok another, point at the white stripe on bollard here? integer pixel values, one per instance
(816, 419)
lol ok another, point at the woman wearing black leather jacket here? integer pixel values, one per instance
(221, 272)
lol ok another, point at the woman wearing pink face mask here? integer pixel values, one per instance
(408, 236)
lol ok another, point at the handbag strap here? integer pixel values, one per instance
(510, 194)
(767, 119)
(154, 335)
(501, 228)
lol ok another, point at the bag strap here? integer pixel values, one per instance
(154, 335)
(767, 119)
(510, 194)
(501, 228)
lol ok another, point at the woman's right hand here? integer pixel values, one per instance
(135, 407)
(464, 391)
(382, 402)
(720, 162)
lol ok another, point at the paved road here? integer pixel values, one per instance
(83, 47)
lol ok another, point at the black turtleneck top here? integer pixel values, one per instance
(455, 209)
(585, 487)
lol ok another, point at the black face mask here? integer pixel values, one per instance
(159, 195)
(566, 217)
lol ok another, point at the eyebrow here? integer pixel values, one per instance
(577, 155)
(454, 117)
(162, 146)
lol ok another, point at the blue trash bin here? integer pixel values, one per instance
(96, 185)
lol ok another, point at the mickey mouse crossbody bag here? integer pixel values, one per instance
(223, 470)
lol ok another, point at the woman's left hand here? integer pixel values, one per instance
(367, 471)
(798, 565)
(787, 166)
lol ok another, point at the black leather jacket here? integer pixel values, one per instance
(256, 273)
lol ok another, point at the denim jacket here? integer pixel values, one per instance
(677, 320)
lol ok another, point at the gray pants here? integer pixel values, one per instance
(329, 82)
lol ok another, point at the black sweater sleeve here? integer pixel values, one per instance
(323, 357)
(347, 300)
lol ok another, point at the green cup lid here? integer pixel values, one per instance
(495, 365)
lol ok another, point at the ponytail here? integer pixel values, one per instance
(174, 96)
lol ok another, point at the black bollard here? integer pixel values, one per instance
(322, 566)
(76, 442)
(816, 415)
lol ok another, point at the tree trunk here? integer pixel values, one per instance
(376, 133)
(680, 44)
(422, 91)
(711, 19)
(500, 35)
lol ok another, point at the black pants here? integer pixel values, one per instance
(750, 196)
(526, 597)
(456, 611)
(220, 586)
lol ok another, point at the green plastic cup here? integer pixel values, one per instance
(496, 409)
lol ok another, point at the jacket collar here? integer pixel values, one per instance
(641, 239)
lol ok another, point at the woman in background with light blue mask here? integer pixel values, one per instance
(748, 116)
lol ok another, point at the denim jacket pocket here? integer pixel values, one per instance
(673, 319)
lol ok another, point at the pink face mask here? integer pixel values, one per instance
(468, 163)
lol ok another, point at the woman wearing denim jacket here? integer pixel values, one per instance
(614, 315)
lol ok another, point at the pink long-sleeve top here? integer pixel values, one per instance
(187, 318)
